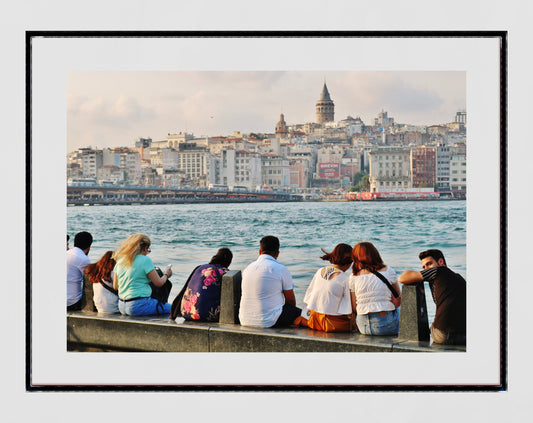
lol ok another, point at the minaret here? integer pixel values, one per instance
(325, 108)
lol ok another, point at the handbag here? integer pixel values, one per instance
(161, 293)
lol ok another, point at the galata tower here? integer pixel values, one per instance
(325, 108)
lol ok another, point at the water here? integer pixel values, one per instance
(190, 234)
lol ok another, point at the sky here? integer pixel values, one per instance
(114, 108)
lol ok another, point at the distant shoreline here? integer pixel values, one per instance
(85, 203)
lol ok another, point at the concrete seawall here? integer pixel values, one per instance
(91, 331)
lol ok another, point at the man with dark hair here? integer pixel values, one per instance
(77, 261)
(449, 293)
(267, 291)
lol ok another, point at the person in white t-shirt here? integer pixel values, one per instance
(327, 305)
(77, 261)
(267, 298)
(372, 300)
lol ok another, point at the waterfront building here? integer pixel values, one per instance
(192, 160)
(110, 173)
(74, 170)
(325, 108)
(91, 160)
(299, 173)
(423, 167)
(164, 158)
(350, 164)
(458, 174)
(130, 163)
(248, 169)
(235, 168)
(444, 155)
(172, 178)
(275, 171)
(389, 168)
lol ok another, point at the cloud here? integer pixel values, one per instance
(108, 112)
(117, 107)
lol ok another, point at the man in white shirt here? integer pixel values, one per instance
(77, 261)
(267, 291)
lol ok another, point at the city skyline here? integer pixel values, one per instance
(113, 108)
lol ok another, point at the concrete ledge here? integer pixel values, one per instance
(90, 331)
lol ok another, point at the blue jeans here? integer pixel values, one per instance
(143, 307)
(380, 323)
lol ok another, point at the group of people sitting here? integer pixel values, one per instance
(356, 291)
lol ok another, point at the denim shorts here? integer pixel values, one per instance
(143, 307)
(380, 323)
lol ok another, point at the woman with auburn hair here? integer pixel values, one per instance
(327, 299)
(134, 271)
(100, 275)
(372, 300)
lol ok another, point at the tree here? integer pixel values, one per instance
(361, 182)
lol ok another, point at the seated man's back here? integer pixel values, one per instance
(267, 292)
(262, 299)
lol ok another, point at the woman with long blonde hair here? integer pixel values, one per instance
(372, 299)
(133, 273)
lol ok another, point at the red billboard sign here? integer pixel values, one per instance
(328, 170)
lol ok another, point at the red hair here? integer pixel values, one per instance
(101, 270)
(366, 256)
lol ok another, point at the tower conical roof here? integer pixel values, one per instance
(325, 93)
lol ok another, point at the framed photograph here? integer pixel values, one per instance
(109, 89)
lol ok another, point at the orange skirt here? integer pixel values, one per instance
(329, 323)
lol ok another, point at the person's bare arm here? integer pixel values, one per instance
(157, 280)
(289, 297)
(353, 301)
(410, 276)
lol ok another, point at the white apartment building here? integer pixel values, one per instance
(130, 162)
(275, 171)
(458, 172)
(127, 159)
(248, 169)
(91, 160)
(164, 158)
(193, 161)
(390, 168)
(110, 173)
(235, 168)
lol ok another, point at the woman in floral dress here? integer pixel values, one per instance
(201, 300)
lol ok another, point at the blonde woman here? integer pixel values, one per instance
(133, 272)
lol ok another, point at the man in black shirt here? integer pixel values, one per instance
(449, 293)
